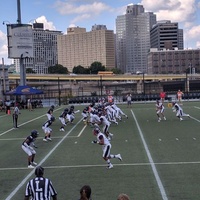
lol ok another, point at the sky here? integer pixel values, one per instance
(61, 14)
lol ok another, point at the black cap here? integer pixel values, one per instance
(39, 171)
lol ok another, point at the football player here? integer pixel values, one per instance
(47, 130)
(160, 110)
(50, 112)
(106, 147)
(62, 119)
(179, 111)
(28, 147)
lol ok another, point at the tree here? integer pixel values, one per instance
(58, 69)
(95, 67)
(80, 70)
(30, 71)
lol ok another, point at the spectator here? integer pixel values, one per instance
(7, 104)
(128, 99)
(162, 96)
(40, 187)
(123, 197)
(179, 96)
(85, 192)
(29, 104)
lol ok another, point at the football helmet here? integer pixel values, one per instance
(34, 133)
(52, 107)
(66, 110)
(96, 131)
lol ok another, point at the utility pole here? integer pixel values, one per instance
(19, 21)
(21, 59)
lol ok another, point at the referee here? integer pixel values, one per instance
(40, 188)
(16, 113)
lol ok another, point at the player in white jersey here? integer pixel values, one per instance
(118, 111)
(110, 113)
(160, 110)
(179, 111)
(106, 124)
(106, 147)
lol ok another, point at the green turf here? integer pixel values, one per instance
(71, 160)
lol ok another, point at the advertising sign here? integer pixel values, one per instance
(20, 40)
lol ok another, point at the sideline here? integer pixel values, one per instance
(155, 172)
(41, 162)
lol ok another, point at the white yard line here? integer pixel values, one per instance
(100, 165)
(155, 172)
(10, 139)
(82, 131)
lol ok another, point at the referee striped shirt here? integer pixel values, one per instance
(40, 188)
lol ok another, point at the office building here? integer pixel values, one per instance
(79, 47)
(44, 50)
(166, 35)
(133, 38)
(173, 61)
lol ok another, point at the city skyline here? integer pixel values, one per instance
(60, 15)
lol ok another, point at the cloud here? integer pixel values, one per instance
(47, 24)
(96, 8)
(198, 44)
(3, 45)
(194, 32)
(174, 10)
(83, 11)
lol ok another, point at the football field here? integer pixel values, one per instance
(161, 160)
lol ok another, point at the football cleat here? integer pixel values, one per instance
(164, 118)
(30, 166)
(34, 163)
(45, 140)
(181, 119)
(49, 139)
(110, 166)
(119, 157)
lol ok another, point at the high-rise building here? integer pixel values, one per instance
(166, 35)
(79, 47)
(44, 50)
(133, 38)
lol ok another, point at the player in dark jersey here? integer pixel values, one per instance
(50, 112)
(39, 187)
(47, 130)
(62, 119)
(28, 147)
